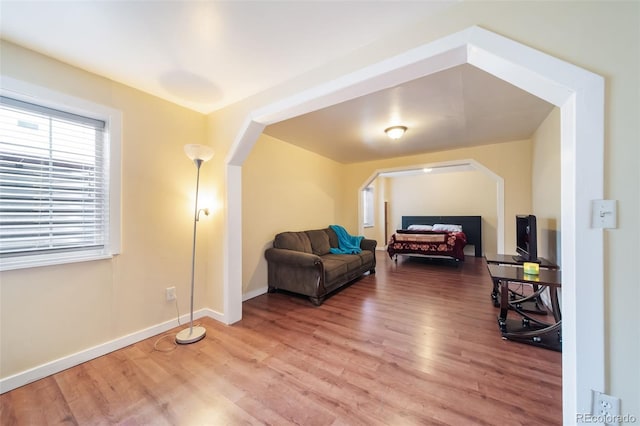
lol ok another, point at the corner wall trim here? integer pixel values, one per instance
(36, 373)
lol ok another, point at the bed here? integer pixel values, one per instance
(443, 242)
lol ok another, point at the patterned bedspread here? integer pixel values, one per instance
(427, 243)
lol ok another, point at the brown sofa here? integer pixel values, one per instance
(301, 262)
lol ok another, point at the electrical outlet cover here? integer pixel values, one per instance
(605, 407)
(170, 293)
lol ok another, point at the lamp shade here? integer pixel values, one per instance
(395, 132)
(198, 152)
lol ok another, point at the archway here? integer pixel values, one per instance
(472, 164)
(580, 96)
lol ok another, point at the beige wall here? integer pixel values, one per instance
(50, 312)
(288, 188)
(546, 186)
(284, 188)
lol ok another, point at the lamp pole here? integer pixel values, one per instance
(199, 154)
(198, 163)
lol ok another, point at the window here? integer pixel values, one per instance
(54, 186)
(367, 206)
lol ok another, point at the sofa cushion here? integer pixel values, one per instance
(333, 269)
(353, 262)
(298, 241)
(333, 238)
(319, 241)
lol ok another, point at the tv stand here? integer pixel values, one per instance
(513, 260)
(528, 329)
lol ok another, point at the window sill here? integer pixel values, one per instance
(49, 260)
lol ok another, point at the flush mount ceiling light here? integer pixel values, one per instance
(395, 132)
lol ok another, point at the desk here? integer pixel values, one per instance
(531, 305)
(528, 329)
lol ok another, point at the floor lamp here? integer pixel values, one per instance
(199, 154)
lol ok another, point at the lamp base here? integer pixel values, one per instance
(190, 335)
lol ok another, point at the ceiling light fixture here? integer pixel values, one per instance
(395, 132)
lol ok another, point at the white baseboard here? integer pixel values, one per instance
(60, 364)
(254, 293)
(206, 312)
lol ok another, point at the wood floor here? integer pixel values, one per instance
(417, 343)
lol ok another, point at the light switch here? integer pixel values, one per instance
(604, 214)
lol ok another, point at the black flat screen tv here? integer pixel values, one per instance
(526, 239)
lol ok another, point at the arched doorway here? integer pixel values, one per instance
(580, 96)
(451, 166)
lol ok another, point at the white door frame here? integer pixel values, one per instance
(580, 96)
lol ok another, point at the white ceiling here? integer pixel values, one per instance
(462, 106)
(205, 55)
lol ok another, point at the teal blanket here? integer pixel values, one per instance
(348, 244)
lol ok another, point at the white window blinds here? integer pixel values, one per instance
(53, 182)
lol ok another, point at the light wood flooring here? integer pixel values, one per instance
(415, 344)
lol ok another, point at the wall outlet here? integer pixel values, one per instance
(170, 293)
(605, 406)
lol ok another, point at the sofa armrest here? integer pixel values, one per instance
(292, 257)
(367, 244)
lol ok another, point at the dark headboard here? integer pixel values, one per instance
(471, 226)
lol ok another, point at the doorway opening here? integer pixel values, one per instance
(454, 166)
